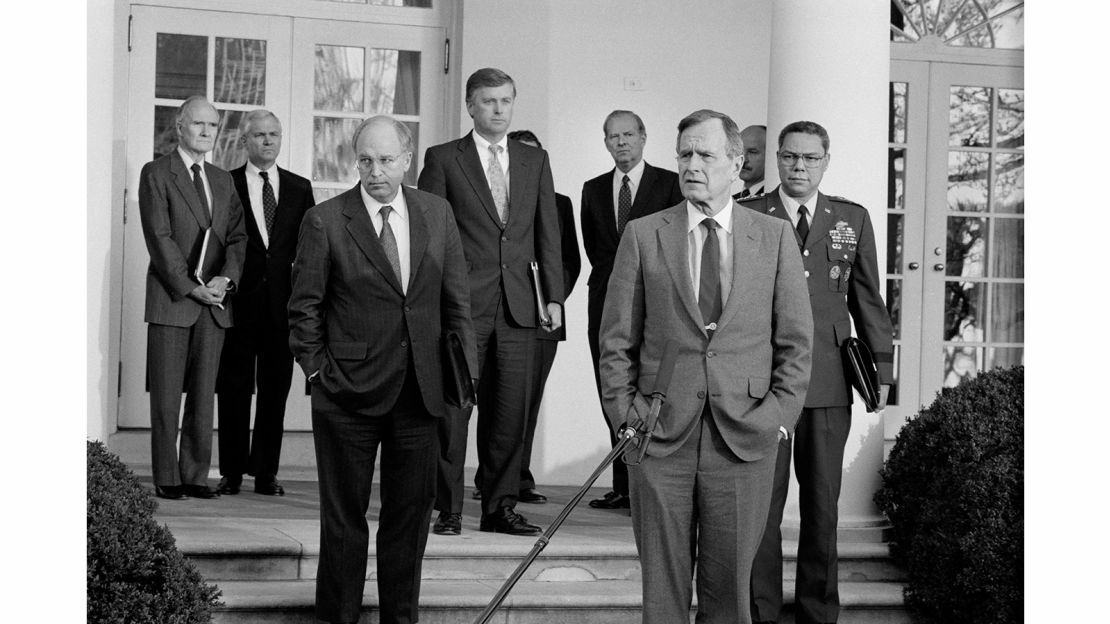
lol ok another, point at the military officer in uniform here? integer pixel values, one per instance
(837, 244)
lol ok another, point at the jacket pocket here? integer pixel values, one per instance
(347, 350)
(758, 387)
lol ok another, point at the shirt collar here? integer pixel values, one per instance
(694, 217)
(251, 169)
(189, 162)
(634, 174)
(483, 144)
(792, 204)
(373, 206)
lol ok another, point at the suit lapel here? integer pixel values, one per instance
(646, 182)
(674, 248)
(517, 177)
(471, 167)
(823, 219)
(608, 213)
(418, 234)
(745, 246)
(239, 177)
(184, 181)
(362, 231)
(775, 208)
(220, 208)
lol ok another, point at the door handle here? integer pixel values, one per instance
(938, 267)
(914, 266)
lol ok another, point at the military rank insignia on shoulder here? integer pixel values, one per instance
(844, 200)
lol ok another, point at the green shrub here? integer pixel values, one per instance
(952, 489)
(135, 572)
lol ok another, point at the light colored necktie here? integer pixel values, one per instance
(497, 185)
(624, 204)
(389, 242)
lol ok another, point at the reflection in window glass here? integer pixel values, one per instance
(1007, 321)
(1005, 357)
(339, 79)
(966, 246)
(967, 23)
(965, 304)
(228, 153)
(1008, 248)
(894, 305)
(960, 363)
(410, 175)
(165, 135)
(896, 178)
(180, 63)
(333, 158)
(894, 238)
(898, 94)
(1009, 184)
(967, 181)
(969, 116)
(240, 71)
(1010, 124)
(394, 77)
(892, 396)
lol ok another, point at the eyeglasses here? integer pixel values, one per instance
(385, 162)
(812, 161)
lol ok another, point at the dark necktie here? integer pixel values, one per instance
(709, 290)
(803, 224)
(269, 202)
(389, 243)
(624, 205)
(745, 193)
(198, 184)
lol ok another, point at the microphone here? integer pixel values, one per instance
(659, 394)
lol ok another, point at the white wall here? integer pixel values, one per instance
(569, 60)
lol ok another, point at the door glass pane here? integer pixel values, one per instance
(240, 71)
(394, 77)
(1009, 183)
(1008, 248)
(410, 175)
(333, 158)
(894, 238)
(898, 94)
(965, 303)
(1007, 323)
(969, 116)
(1010, 125)
(228, 154)
(180, 64)
(967, 181)
(896, 178)
(165, 136)
(339, 78)
(892, 396)
(966, 246)
(894, 305)
(1005, 357)
(960, 363)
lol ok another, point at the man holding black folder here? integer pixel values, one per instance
(193, 225)
(503, 197)
(837, 245)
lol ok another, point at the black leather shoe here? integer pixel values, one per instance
(476, 494)
(171, 492)
(201, 491)
(448, 523)
(229, 485)
(268, 488)
(505, 520)
(612, 500)
(530, 495)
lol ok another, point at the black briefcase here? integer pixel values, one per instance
(458, 386)
(861, 370)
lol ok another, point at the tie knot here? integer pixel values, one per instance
(265, 175)
(495, 150)
(384, 211)
(710, 223)
(195, 168)
(624, 180)
(802, 210)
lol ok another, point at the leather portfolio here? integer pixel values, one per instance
(458, 385)
(860, 367)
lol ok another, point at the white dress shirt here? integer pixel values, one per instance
(634, 174)
(483, 155)
(203, 176)
(254, 190)
(398, 222)
(791, 205)
(695, 239)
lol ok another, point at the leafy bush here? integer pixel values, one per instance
(135, 572)
(952, 489)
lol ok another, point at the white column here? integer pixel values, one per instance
(830, 63)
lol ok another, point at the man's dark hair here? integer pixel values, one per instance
(622, 113)
(732, 131)
(487, 77)
(525, 135)
(806, 127)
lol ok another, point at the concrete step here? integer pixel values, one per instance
(530, 602)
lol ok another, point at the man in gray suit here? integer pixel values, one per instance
(193, 225)
(724, 286)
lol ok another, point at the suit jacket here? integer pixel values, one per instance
(754, 369)
(572, 261)
(659, 189)
(496, 257)
(350, 320)
(174, 222)
(843, 278)
(267, 282)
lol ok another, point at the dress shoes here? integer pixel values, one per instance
(171, 492)
(505, 520)
(612, 500)
(448, 523)
(268, 487)
(229, 485)
(476, 494)
(530, 495)
(201, 491)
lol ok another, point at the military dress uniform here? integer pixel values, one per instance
(841, 268)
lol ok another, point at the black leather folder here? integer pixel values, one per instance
(458, 385)
(860, 367)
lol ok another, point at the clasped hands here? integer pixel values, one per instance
(212, 293)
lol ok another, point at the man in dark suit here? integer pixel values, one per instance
(837, 245)
(507, 220)
(608, 203)
(547, 342)
(755, 161)
(378, 279)
(721, 289)
(256, 350)
(193, 225)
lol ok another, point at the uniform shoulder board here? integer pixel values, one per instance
(755, 199)
(844, 200)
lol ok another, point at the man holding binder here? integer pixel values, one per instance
(837, 245)
(192, 221)
(503, 198)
